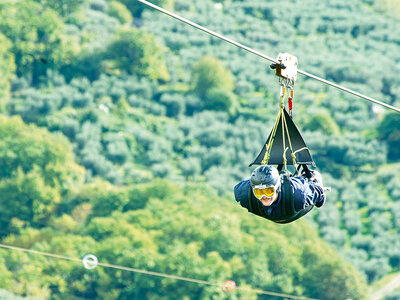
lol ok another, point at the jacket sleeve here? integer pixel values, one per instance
(307, 192)
(318, 195)
(314, 193)
(241, 191)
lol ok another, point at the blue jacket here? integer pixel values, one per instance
(306, 194)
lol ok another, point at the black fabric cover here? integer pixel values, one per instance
(276, 157)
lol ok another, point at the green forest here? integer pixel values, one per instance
(123, 133)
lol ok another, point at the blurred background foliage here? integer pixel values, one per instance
(124, 132)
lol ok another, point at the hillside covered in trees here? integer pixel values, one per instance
(123, 133)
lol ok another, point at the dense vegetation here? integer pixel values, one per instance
(123, 132)
(133, 226)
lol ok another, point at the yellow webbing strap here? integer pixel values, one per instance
(285, 129)
(301, 149)
(284, 158)
(271, 140)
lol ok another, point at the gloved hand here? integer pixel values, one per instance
(317, 178)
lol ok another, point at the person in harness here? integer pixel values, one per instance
(280, 198)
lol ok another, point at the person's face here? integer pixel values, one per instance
(267, 201)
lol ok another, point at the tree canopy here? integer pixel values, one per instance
(137, 52)
(38, 39)
(7, 69)
(123, 133)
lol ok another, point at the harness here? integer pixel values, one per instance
(288, 212)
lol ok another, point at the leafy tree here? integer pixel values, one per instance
(28, 284)
(215, 156)
(64, 7)
(220, 99)
(29, 148)
(243, 87)
(119, 11)
(103, 197)
(7, 69)
(99, 5)
(395, 207)
(162, 170)
(85, 64)
(117, 148)
(209, 73)
(362, 241)
(191, 167)
(137, 8)
(352, 221)
(6, 278)
(175, 104)
(35, 169)
(389, 131)
(39, 42)
(33, 105)
(136, 52)
(392, 6)
(324, 122)
(328, 273)
(375, 268)
(34, 201)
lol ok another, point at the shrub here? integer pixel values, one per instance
(209, 73)
(119, 11)
(136, 52)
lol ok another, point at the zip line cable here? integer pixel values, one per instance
(220, 36)
(187, 279)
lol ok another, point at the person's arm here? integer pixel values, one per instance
(241, 192)
(307, 192)
(316, 194)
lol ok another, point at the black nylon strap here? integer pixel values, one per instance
(287, 197)
(306, 171)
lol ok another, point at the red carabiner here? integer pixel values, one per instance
(290, 102)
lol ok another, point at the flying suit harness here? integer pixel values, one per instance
(288, 211)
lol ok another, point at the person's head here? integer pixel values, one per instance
(265, 182)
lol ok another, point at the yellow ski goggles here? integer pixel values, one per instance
(261, 190)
